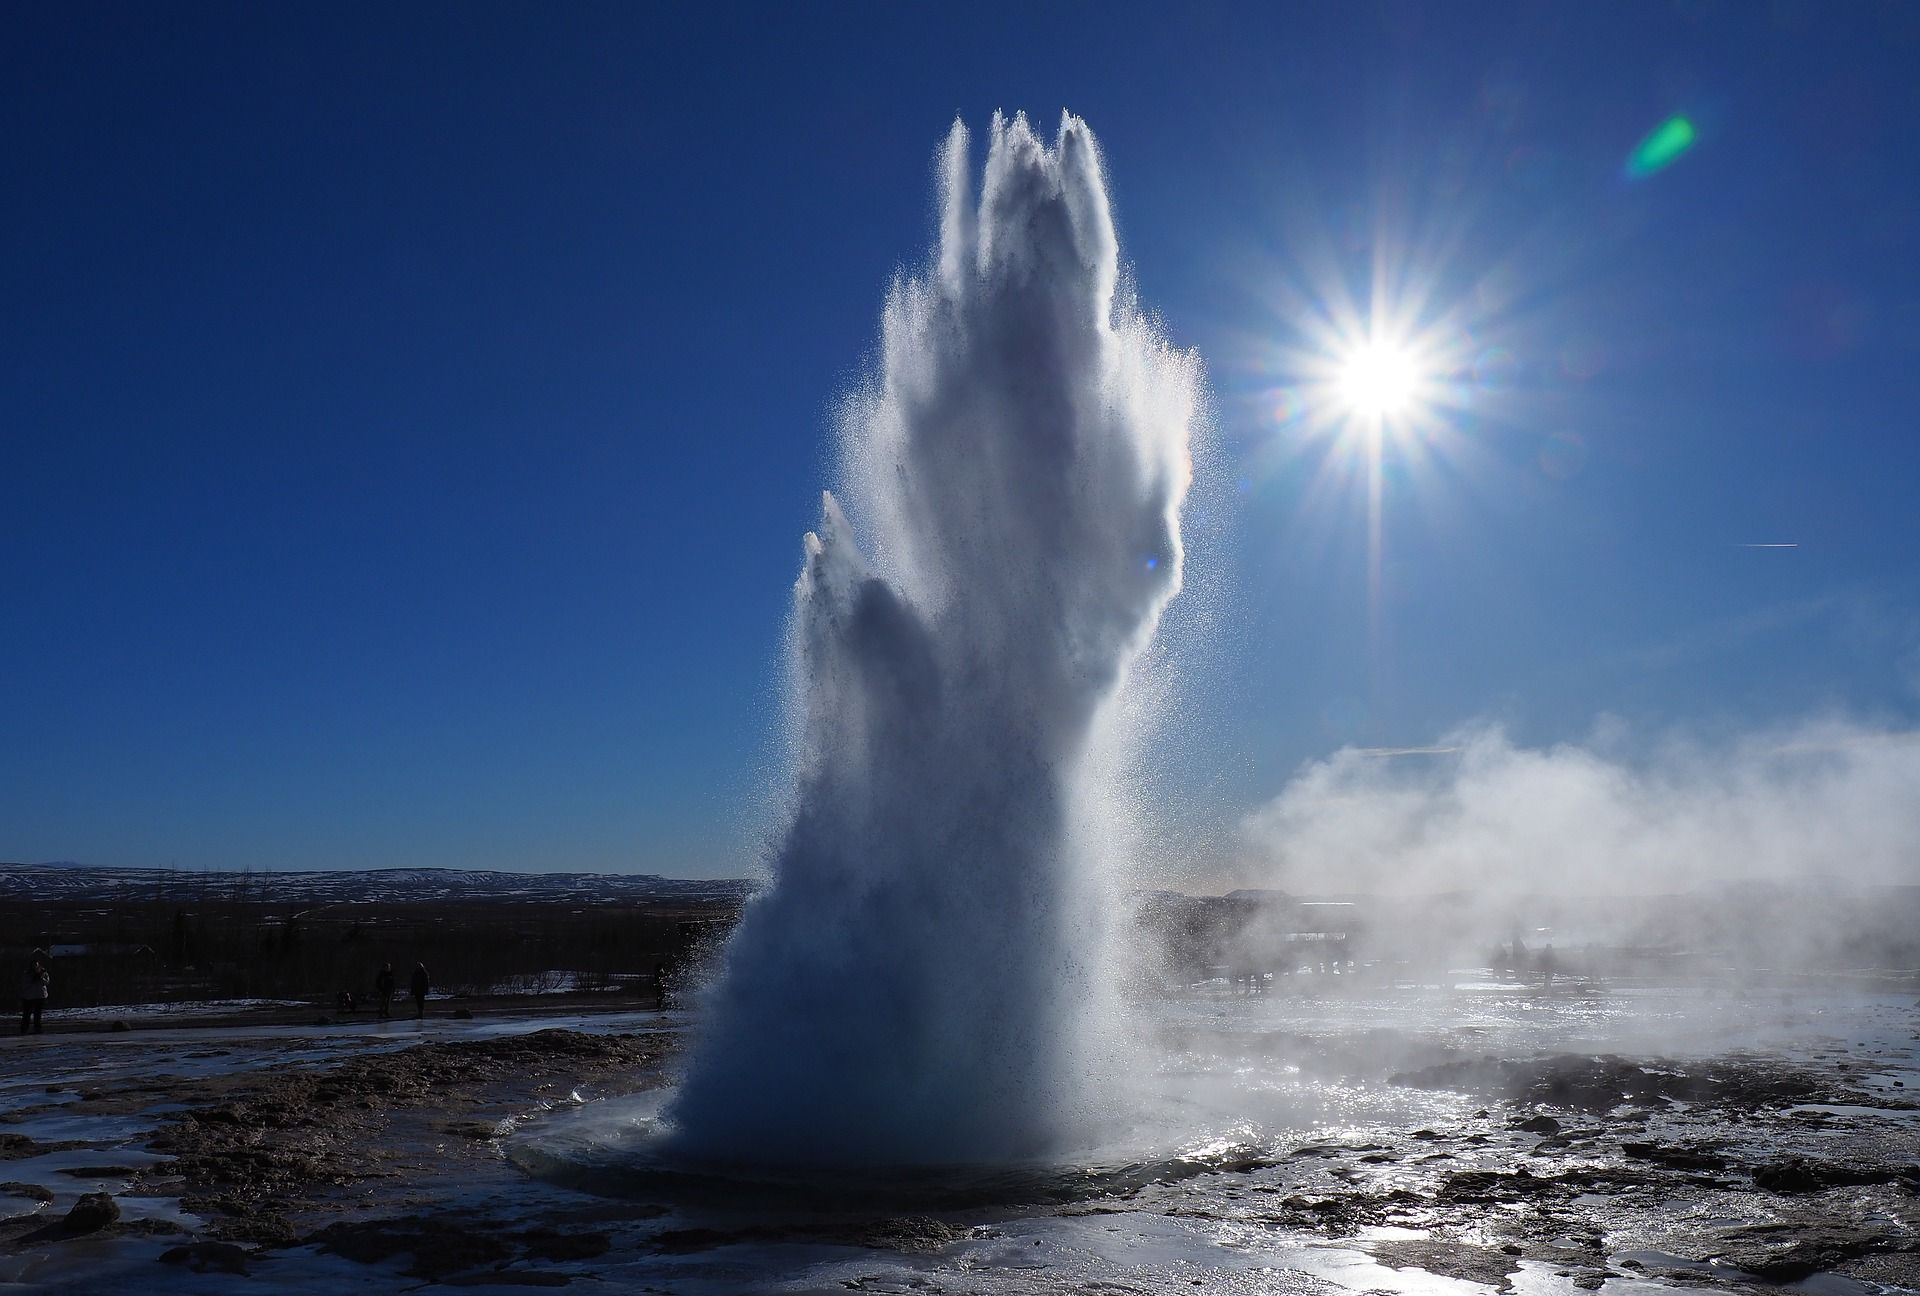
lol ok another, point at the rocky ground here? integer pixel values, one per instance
(1743, 1171)
(272, 1159)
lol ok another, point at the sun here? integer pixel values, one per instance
(1378, 379)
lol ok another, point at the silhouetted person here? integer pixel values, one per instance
(660, 984)
(418, 986)
(33, 995)
(1548, 964)
(385, 984)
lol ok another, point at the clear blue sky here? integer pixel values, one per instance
(409, 415)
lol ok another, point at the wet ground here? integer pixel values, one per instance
(1487, 1138)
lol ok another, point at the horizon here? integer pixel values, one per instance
(1693, 886)
(411, 438)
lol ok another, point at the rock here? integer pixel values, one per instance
(323, 1020)
(552, 1244)
(1540, 1125)
(1790, 1251)
(209, 1257)
(1802, 1175)
(118, 1026)
(1449, 1260)
(463, 1014)
(1674, 1158)
(440, 1248)
(93, 1212)
(1492, 1186)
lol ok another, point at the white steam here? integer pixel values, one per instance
(1827, 800)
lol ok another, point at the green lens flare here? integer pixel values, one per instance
(1662, 147)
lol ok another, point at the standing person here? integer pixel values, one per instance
(33, 994)
(385, 984)
(419, 985)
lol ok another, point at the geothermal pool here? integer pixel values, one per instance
(1377, 1141)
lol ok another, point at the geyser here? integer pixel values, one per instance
(924, 980)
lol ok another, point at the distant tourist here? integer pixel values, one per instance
(385, 984)
(33, 994)
(344, 1001)
(419, 986)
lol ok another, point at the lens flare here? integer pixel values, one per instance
(1662, 147)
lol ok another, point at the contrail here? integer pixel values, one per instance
(1770, 544)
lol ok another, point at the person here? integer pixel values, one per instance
(33, 994)
(419, 985)
(385, 984)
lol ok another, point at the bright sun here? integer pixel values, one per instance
(1378, 379)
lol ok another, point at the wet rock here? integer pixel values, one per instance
(1803, 1175)
(1792, 1250)
(1493, 1186)
(100, 1172)
(905, 1233)
(118, 1026)
(1602, 1083)
(284, 1136)
(552, 1244)
(208, 1257)
(1539, 1125)
(1318, 1150)
(1449, 1260)
(908, 1233)
(34, 1191)
(93, 1212)
(261, 1226)
(440, 1248)
(462, 1014)
(1674, 1158)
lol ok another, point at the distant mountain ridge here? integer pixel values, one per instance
(70, 881)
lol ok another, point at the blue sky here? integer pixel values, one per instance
(409, 417)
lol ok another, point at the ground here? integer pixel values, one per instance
(1490, 1138)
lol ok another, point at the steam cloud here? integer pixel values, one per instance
(1825, 800)
(924, 981)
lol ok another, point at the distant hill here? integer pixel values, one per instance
(67, 881)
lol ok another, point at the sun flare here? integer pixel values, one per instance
(1378, 379)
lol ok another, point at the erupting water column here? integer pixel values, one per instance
(923, 982)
